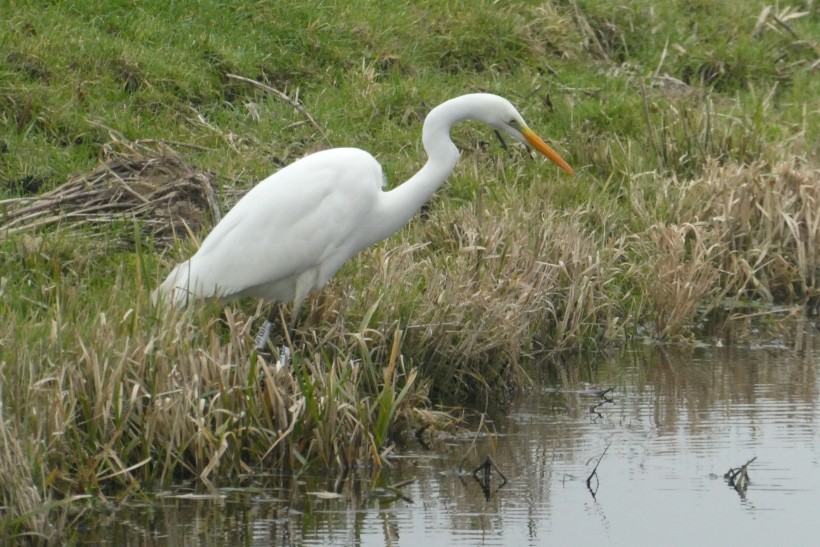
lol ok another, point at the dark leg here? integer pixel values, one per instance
(267, 327)
(263, 336)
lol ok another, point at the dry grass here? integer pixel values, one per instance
(153, 399)
(135, 182)
(202, 401)
(742, 233)
(680, 277)
(22, 498)
(768, 222)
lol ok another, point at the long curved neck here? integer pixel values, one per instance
(399, 205)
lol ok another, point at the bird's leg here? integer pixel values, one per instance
(263, 336)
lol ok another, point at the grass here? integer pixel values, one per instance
(693, 129)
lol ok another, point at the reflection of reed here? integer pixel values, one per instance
(690, 386)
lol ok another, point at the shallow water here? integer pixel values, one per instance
(674, 423)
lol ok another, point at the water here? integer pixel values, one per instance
(674, 423)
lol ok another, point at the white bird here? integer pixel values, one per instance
(290, 234)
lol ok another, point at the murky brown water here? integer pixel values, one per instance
(675, 422)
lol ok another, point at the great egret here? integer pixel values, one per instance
(289, 234)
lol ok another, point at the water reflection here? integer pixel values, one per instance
(675, 421)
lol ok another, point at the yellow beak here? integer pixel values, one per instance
(536, 142)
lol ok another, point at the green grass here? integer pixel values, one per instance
(692, 126)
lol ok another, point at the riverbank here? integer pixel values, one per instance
(693, 132)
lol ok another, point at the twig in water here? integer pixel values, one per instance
(595, 473)
(486, 470)
(602, 394)
(739, 478)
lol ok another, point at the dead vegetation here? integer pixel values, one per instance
(768, 224)
(19, 493)
(680, 277)
(737, 233)
(152, 399)
(152, 186)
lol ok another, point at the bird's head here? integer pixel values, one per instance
(500, 114)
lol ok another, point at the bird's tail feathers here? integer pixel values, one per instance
(174, 291)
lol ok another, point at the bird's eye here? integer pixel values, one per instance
(513, 122)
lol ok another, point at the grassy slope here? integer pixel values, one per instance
(516, 257)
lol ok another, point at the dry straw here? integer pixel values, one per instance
(169, 198)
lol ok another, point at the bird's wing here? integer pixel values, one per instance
(294, 220)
